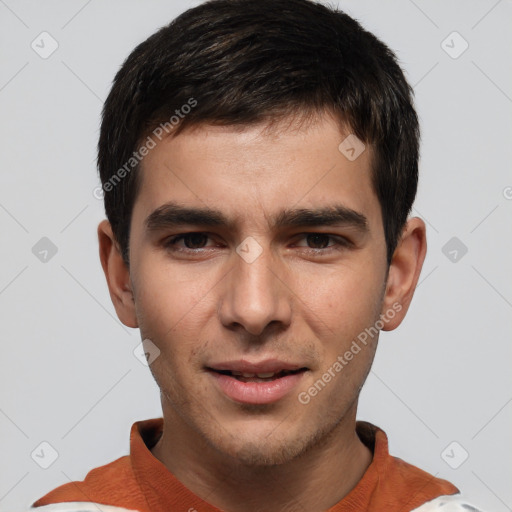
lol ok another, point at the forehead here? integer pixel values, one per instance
(252, 173)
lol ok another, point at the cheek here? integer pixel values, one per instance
(345, 301)
(169, 299)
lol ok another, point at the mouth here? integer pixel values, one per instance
(258, 377)
(260, 386)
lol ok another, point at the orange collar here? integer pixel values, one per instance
(141, 482)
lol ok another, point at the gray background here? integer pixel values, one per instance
(68, 373)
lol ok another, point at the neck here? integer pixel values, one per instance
(314, 481)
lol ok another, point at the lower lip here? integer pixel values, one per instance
(264, 392)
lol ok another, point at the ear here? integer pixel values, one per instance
(404, 272)
(117, 275)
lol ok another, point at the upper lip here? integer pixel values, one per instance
(265, 366)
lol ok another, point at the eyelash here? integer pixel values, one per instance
(340, 243)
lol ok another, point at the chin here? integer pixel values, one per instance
(264, 447)
(264, 453)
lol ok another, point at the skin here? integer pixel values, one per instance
(303, 300)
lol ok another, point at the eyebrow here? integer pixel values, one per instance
(174, 215)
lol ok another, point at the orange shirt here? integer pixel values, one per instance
(139, 481)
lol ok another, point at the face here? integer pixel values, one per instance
(257, 252)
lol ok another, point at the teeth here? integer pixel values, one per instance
(265, 375)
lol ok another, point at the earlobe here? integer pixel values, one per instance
(404, 272)
(117, 275)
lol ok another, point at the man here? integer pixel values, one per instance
(259, 162)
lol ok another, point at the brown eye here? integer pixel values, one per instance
(318, 241)
(188, 242)
(195, 240)
(322, 244)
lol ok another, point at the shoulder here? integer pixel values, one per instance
(453, 503)
(80, 506)
(113, 483)
(396, 481)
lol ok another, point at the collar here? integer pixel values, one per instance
(385, 481)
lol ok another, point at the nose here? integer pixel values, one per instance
(255, 295)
